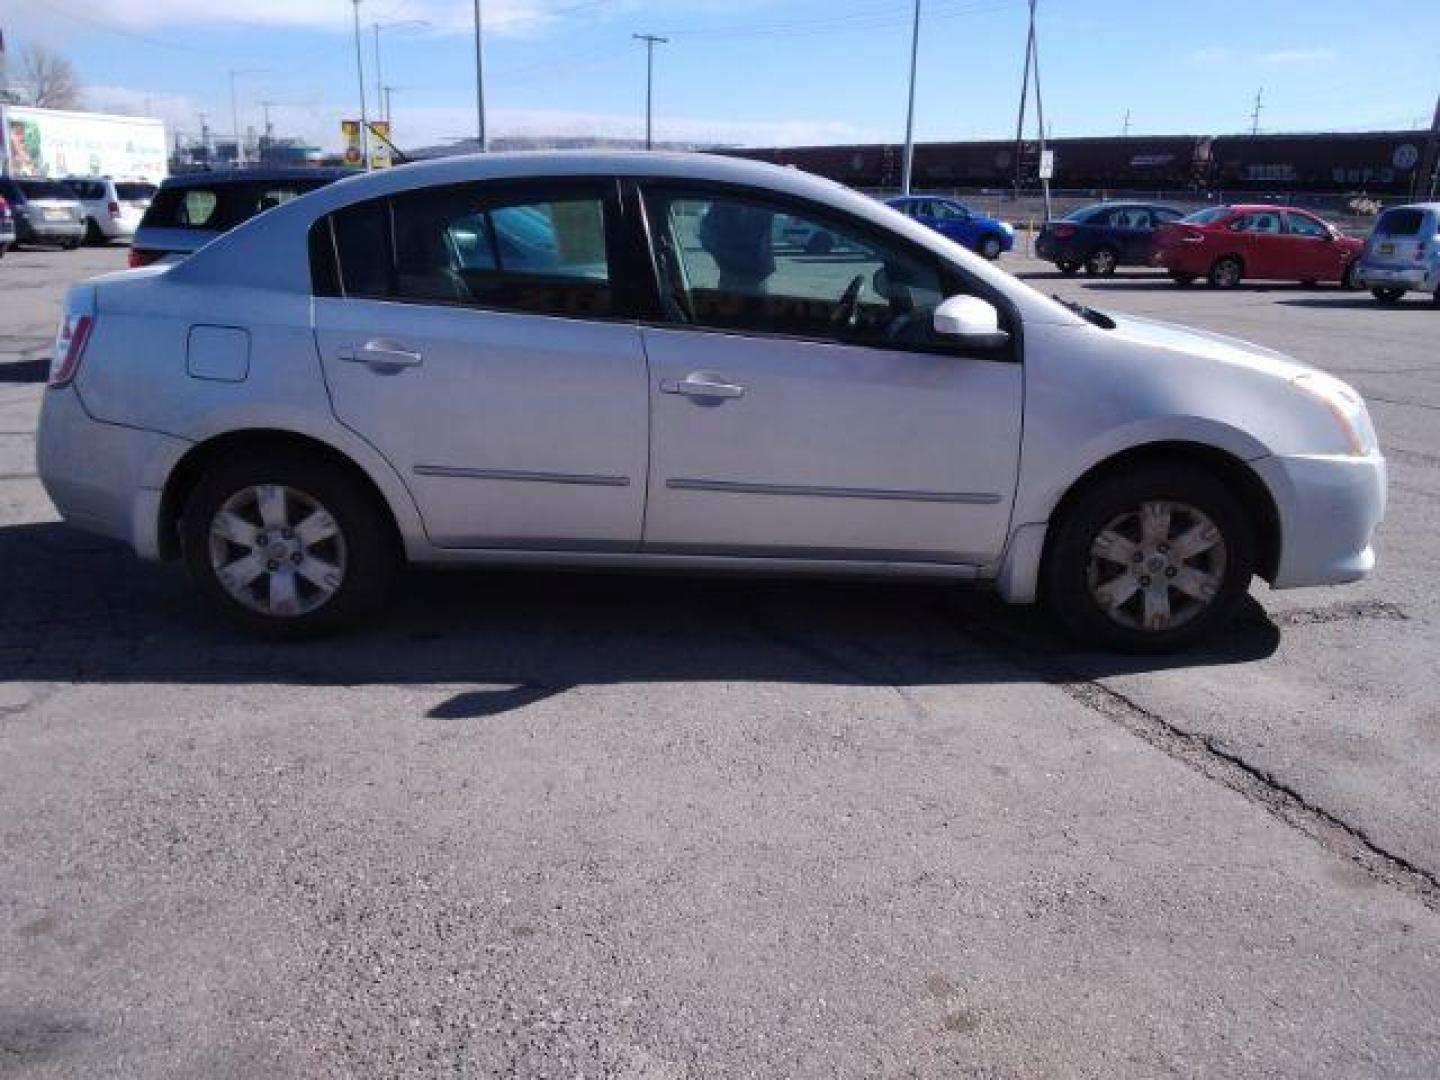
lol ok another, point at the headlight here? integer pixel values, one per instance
(1346, 406)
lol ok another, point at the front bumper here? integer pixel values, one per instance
(104, 478)
(1329, 507)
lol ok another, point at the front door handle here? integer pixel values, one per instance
(380, 353)
(702, 384)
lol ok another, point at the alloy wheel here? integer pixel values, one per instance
(1156, 567)
(276, 550)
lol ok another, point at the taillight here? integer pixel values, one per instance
(140, 257)
(69, 347)
(114, 209)
(1064, 232)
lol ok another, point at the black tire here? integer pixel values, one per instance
(990, 246)
(1101, 262)
(1387, 294)
(1226, 272)
(93, 235)
(1072, 571)
(1350, 279)
(1068, 268)
(1183, 280)
(368, 556)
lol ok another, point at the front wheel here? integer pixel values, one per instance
(1149, 560)
(1226, 272)
(1387, 294)
(286, 546)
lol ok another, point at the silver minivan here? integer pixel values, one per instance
(1403, 253)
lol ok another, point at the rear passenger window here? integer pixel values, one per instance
(468, 247)
(197, 208)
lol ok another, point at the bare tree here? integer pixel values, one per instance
(48, 79)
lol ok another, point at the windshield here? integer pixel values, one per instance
(46, 189)
(1204, 217)
(1081, 213)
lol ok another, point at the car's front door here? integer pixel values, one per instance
(1260, 239)
(1312, 249)
(475, 339)
(804, 407)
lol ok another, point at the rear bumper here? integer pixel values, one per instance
(48, 232)
(104, 478)
(1329, 508)
(1419, 277)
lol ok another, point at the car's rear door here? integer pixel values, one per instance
(475, 337)
(804, 407)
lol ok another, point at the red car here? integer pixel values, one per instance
(1228, 244)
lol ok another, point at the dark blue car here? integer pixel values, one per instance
(1104, 236)
(954, 219)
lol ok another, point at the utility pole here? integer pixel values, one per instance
(235, 112)
(1125, 129)
(1032, 69)
(1431, 163)
(479, 86)
(388, 91)
(1255, 115)
(650, 41)
(360, 80)
(1039, 103)
(907, 164)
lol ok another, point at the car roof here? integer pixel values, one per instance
(324, 174)
(1433, 207)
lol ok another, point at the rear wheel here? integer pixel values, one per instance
(990, 247)
(1068, 267)
(286, 546)
(1350, 279)
(1150, 560)
(93, 235)
(1387, 294)
(1101, 262)
(1226, 272)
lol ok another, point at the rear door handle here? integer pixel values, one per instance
(702, 385)
(382, 354)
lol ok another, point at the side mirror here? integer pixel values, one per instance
(968, 320)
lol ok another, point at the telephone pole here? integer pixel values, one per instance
(1255, 115)
(1032, 69)
(905, 166)
(479, 85)
(1125, 129)
(360, 80)
(650, 41)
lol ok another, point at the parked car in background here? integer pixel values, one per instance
(343, 385)
(192, 209)
(1403, 253)
(950, 217)
(7, 226)
(47, 212)
(113, 208)
(1230, 244)
(1103, 236)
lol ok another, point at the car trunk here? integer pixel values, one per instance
(1401, 237)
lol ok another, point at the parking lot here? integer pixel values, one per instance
(574, 825)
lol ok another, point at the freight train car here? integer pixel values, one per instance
(1381, 162)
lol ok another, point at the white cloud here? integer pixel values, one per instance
(1298, 56)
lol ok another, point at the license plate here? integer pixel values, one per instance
(1387, 249)
(56, 215)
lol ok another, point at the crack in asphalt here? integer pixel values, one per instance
(1210, 757)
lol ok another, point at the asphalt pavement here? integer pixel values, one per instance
(660, 827)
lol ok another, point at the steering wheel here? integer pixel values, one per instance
(847, 311)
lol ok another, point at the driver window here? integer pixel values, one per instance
(731, 262)
(1304, 226)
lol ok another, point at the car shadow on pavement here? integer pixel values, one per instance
(81, 609)
(1082, 278)
(1421, 303)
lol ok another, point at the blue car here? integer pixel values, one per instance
(954, 219)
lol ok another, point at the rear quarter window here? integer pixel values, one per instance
(135, 191)
(219, 207)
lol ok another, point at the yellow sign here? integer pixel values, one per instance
(380, 155)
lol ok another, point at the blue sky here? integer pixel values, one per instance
(757, 72)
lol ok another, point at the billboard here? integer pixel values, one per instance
(354, 152)
(51, 142)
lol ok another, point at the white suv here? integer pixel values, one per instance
(113, 208)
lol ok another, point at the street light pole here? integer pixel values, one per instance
(906, 165)
(479, 86)
(360, 80)
(650, 42)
